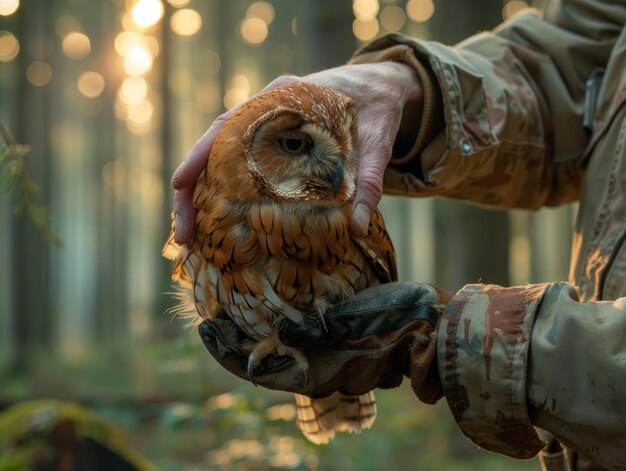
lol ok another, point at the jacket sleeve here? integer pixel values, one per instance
(512, 102)
(514, 358)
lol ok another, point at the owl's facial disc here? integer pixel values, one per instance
(338, 180)
(295, 158)
(320, 158)
(296, 143)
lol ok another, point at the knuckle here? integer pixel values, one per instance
(283, 80)
(287, 78)
(371, 183)
(222, 118)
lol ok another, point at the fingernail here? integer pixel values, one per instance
(175, 178)
(179, 228)
(360, 220)
(176, 181)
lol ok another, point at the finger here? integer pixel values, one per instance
(184, 215)
(280, 81)
(370, 187)
(190, 169)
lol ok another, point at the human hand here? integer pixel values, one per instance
(374, 340)
(384, 94)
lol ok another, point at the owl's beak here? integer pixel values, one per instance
(338, 177)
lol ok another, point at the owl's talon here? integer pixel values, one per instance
(250, 370)
(320, 308)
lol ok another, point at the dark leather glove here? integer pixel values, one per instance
(371, 341)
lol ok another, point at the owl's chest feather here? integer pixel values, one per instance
(265, 257)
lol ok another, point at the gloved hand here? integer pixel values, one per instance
(371, 341)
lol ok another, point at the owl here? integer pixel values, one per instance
(272, 239)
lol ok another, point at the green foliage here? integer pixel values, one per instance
(22, 456)
(14, 178)
(184, 412)
(24, 429)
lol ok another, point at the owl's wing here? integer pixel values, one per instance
(173, 251)
(378, 249)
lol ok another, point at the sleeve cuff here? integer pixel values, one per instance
(483, 347)
(431, 123)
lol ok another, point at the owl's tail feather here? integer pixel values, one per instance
(319, 419)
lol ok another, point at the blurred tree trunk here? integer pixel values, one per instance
(472, 243)
(111, 311)
(31, 310)
(325, 27)
(170, 160)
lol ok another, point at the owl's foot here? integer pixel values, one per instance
(272, 345)
(321, 306)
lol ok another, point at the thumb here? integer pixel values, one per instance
(190, 169)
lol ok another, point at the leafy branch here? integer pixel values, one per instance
(16, 179)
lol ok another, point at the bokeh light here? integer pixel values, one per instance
(294, 26)
(365, 30)
(311, 461)
(141, 127)
(90, 84)
(234, 96)
(145, 13)
(186, 22)
(254, 31)
(392, 18)
(127, 21)
(76, 45)
(114, 173)
(261, 10)
(8, 7)
(512, 8)
(138, 61)
(420, 10)
(9, 46)
(127, 40)
(284, 412)
(178, 3)
(237, 90)
(133, 90)
(139, 117)
(151, 44)
(239, 81)
(141, 112)
(39, 73)
(365, 10)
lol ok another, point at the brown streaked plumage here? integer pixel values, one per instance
(272, 235)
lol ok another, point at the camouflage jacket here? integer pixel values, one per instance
(551, 356)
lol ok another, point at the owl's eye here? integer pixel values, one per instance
(293, 145)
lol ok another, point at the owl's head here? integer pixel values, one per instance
(298, 142)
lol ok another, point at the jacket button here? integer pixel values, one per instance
(465, 146)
